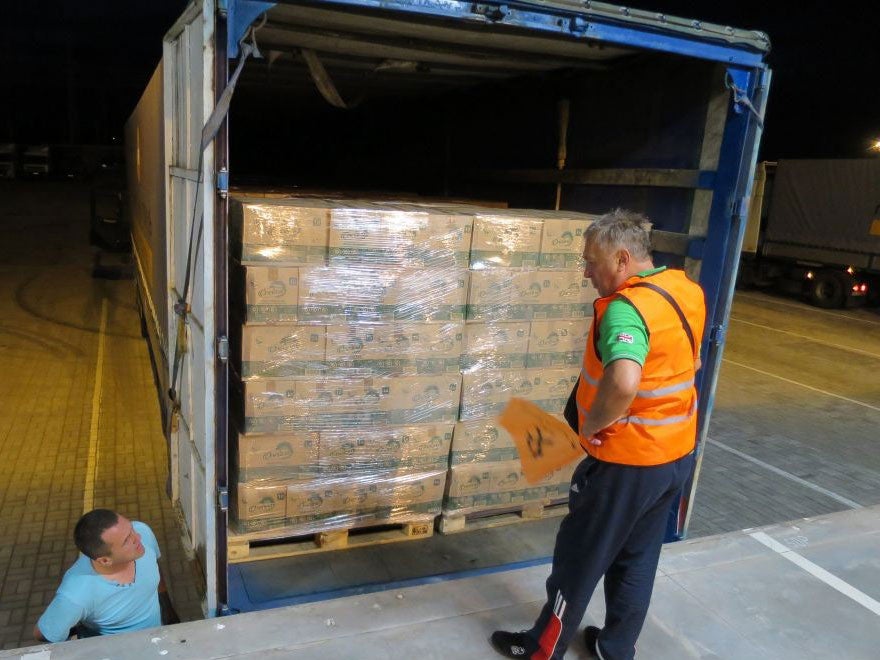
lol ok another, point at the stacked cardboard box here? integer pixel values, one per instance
(348, 354)
(485, 472)
(528, 314)
(375, 336)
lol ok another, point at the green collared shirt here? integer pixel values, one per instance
(622, 332)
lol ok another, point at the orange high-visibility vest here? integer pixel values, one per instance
(661, 423)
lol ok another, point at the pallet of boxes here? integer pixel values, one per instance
(528, 314)
(377, 343)
(348, 357)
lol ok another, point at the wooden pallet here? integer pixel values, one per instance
(452, 523)
(264, 545)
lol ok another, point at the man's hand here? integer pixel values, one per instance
(617, 389)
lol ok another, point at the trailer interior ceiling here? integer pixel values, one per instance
(349, 99)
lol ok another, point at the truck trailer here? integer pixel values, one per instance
(814, 230)
(578, 106)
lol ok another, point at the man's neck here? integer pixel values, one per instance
(640, 267)
(113, 570)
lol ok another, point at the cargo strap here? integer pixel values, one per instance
(182, 306)
(324, 82)
(740, 97)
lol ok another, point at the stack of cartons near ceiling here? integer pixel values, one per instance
(528, 314)
(370, 331)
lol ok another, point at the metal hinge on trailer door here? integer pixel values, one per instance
(223, 498)
(717, 334)
(223, 348)
(223, 183)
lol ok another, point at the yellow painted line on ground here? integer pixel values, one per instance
(808, 338)
(809, 387)
(92, 468)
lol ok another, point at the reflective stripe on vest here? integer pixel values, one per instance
(647, 421)
(646, 394)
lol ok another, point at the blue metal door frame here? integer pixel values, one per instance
(730, 183)
(721, 250)
(552, 19)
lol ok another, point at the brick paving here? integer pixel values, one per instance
(50, 309)
(811, 434)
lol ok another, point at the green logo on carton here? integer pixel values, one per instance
(274, 289)
(282, 451)
(565, 240)
(265, 505)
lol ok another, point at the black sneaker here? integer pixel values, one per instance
(591, 639)
(513, 645)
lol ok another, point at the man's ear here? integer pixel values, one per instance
(104, 561)
(623, 259)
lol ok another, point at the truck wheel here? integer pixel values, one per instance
(828, 290)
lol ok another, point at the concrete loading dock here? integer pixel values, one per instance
(793, 434)
(789, 591)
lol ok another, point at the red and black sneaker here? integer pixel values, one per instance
(513, 644)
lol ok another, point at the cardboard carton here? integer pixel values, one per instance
(272, 406)
(279, 231)
(424, 446)
(271, 294)
(479, 486)
(396, 348)
(447, 231)
(509, 295)
(551, 387)
(500, 345)
(282, 351)
(485, 392)
(562, 243)
(481, 441)
(505, 241)
(557, 343)
(421, 399)
(398, 233)
(277, 456)
(259, 502)
(375, 294)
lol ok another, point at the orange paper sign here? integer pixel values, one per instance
(544, 443)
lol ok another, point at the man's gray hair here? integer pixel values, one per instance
(621, 229)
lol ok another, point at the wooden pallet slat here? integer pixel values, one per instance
(453, 523)
(249, 547)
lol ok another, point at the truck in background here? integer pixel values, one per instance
(814, 231)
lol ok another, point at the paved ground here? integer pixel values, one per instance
(794, 429)
(793, 432)
(51, 313)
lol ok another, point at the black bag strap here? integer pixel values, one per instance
(675, 306)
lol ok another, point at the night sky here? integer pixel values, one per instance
(73, 71)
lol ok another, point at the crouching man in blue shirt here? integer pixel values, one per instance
(114, 586)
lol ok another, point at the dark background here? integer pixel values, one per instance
(73, 71)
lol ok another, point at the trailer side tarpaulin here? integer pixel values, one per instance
(826, 203)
